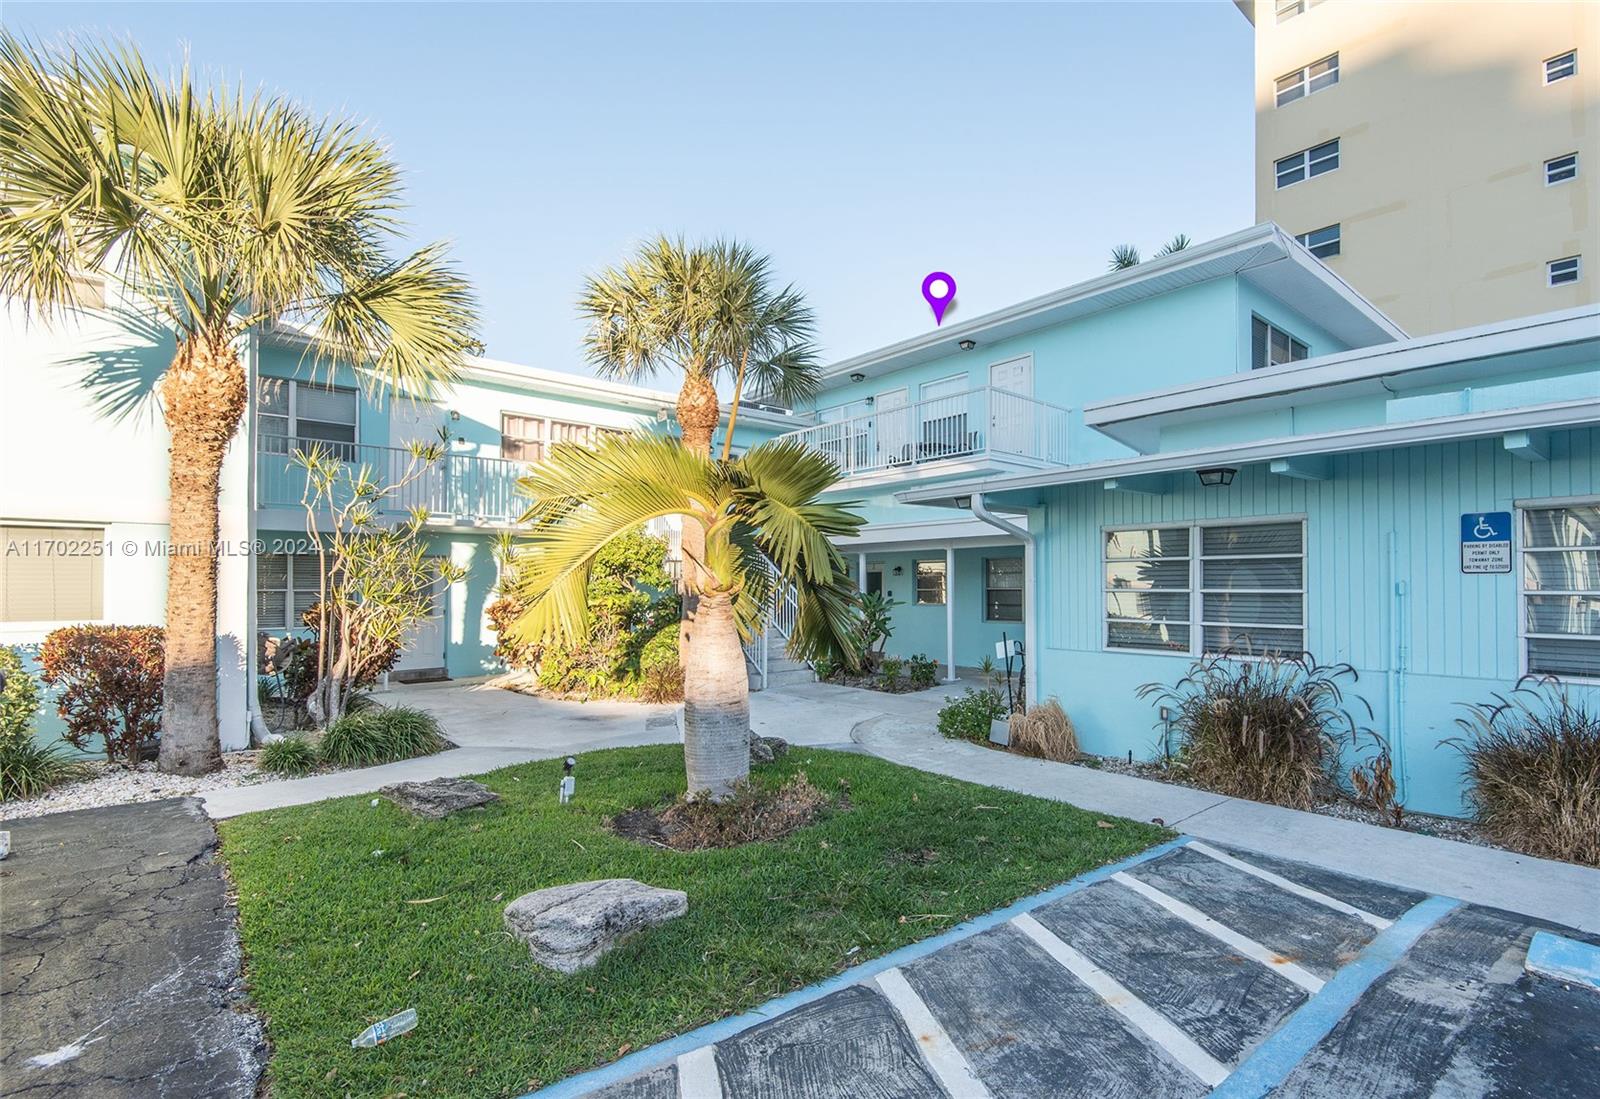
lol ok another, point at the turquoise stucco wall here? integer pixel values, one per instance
(1459, 631)
(921, 628)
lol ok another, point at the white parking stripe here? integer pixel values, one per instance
(1289, 886)
(1155, 1026)
(1221, 932)
(697, 1074)
(937, 1049)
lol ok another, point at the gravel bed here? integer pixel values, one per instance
(114, 784)
(1450, 828)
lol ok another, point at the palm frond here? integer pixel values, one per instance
(1176, 244)
(1123, 256)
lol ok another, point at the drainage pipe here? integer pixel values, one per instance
(1030, 650)
(1397, 667)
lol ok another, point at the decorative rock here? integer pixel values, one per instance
(568, 927)
(439, 797)
(765, 749)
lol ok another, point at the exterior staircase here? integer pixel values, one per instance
(781, 670)
(766, 656)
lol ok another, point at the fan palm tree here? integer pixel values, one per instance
(220, 214)
(1175, 245)
(1123, 256)
(763, 503)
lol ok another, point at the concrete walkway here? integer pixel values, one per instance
(497, 728)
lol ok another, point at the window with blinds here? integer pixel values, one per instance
(1216, 588)
(52, 574)
(287, 585)
(288, 412)
(522, 438)
(1561, 590)
(1002, 593)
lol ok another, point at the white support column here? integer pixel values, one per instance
(861, 572)
(949, 611)
(1030, 616)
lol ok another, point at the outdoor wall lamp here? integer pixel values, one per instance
(858, 377)
(1218, 475)
(899, 570)
(966, 345)
(454, 415)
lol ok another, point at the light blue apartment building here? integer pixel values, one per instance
(1230, 449)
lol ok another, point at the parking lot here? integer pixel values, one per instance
(1192, 970)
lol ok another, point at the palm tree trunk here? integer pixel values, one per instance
(203, 396)
(698, 415)
(716, 706)
(733, 406)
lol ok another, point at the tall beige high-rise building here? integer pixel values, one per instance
(1441, 157)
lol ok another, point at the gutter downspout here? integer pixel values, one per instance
(1029, 650)
(1398, 656)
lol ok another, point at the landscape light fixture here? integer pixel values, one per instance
(967, 345)
(1217, 475)
(858, 377)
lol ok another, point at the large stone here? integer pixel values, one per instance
(568, 927)
(765, 749)
(439, 797)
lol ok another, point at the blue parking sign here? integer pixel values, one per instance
(1486, 541)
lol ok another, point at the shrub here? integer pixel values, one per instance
(826, 667)
(292, 756)
(109, 679)
(875, 627)
(922, 671)
(1533, 764)
(19, 697)
(1372, 783)
(28, 769)
(662, 683)
(889, 672)
(1045, 731)
(968, 717)
(1268, 729)
(381, 735)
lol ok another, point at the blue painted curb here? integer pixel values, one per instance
(1564, 959)
(1274, 1059)
(669, 1049)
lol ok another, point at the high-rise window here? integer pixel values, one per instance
(1306, 163)
(1559, 169)
(1323, 243)
(1271, 345)
(1561, 66)
(1288, 9)
(1312, 78)
(1560, 272)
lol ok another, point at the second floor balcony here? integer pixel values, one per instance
(457, 490)
(981, 430)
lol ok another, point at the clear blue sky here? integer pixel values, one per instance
(862, 146)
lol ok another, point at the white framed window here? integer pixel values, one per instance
(287, 586)
(1322, 243)
(1562, 272)
(289, 412)
(1561, 66)
(930, 582)
(1559, 169)
(1002, 589)
(52, 574)
(1288, 9)
(528, 438)
(1234, 587)
(1560, 590)
(1315, 161)
(1271, 345)
(1322, 73)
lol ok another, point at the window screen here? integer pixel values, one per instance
(1147, 589)
(930, 582)
(1002, 599)
(1252, 589)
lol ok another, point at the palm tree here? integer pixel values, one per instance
(1176, 244)
(763, 503)
(221, 214)
(1123, 256)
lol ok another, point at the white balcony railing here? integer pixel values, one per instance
(980, 424)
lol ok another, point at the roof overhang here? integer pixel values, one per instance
(1547, 341)
(1264, 255)
(1563, 414)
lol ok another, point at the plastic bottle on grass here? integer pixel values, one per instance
(382, 1031)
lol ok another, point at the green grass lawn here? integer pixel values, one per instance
(337, 935)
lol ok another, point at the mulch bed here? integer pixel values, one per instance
(752, 815)
(900, 686)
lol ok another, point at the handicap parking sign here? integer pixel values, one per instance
(1486, 541)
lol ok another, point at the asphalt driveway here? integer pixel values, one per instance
(1190, 971)
(119, 963)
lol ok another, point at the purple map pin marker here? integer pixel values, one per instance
(939, 297)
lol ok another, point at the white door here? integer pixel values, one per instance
(894, 428)
(1013, 423)
(416, 421)
(423, 650)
